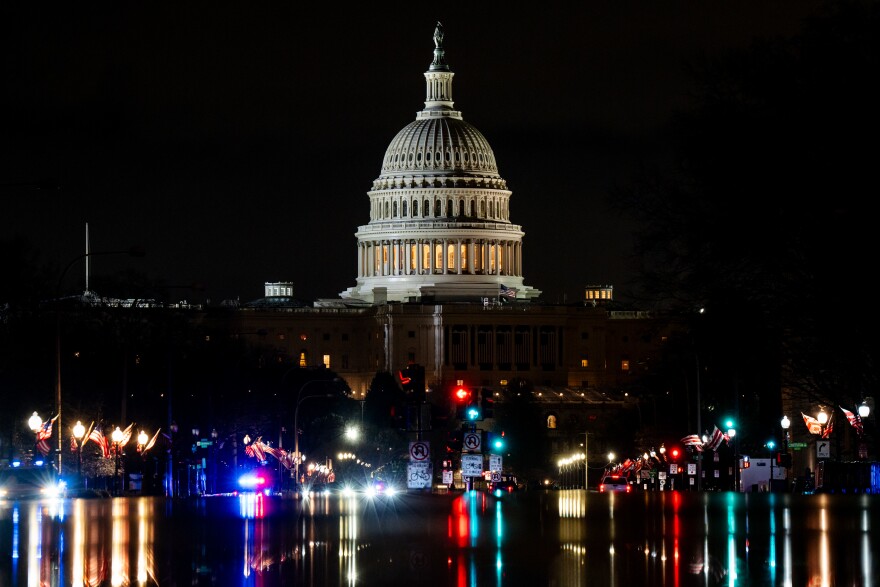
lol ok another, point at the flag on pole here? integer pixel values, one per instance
(507, 292)
(829, 426)
(126, 435)
(98, 438)
(152, 441)
(854, 420)
(813, 425)
(715, 441)
(694, 441)
(44, 434)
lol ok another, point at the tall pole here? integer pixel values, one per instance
(699, 422)
(586, 461)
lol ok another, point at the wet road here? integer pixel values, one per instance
(554, 538)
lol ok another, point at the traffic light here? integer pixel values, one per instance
(496, 442)
(488, 404)
(412, 380)
(473, 412)
(783, 459)
(675, 453)
(461, 395)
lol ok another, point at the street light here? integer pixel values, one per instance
(34, 422)
(79, 431)
(117, 439)
(731, 434)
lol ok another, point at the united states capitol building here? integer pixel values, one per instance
(441, 283)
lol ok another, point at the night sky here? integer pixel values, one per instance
(236, 142)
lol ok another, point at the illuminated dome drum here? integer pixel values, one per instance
(439, 224)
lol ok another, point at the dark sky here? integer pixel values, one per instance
(236, 141)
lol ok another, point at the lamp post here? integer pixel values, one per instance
(79, 431)
(786, 424)
(864, 412)
(731, 433)
(142, 439)
(117, 439)
(297, 456)
(34, 423)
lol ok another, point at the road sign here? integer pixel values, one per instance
(797, 445)
(418, 475)
(471, 442)
(471, 465)
(495, 463)
(419, 451)
(823, 449)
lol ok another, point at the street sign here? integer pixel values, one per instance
(471, 442)
(418, 475)
(471, 465)
(797, 445)
(692, 469)
(495, 463)
(419, 451)
(823, 449)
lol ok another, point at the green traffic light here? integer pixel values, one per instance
(473, 413)
(729, 424)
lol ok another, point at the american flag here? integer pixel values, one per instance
(854, 420)
(98, 438)
(829, 426)
(715, 441)
(44, 434)
(507, 292)
(813, 425)
(694, 441)
(126, 435)
(151, 442)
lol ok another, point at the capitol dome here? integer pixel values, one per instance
(439, 224)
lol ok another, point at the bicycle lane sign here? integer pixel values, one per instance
(418, 475)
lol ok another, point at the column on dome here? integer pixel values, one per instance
(444, 260)
(472, 268)
(519, 254)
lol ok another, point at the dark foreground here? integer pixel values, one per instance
(555, 538)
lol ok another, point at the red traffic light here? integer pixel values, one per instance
(675, 453)
(462, 394)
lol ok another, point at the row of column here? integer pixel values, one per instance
(444, 256)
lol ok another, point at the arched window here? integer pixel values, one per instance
(461, 208)
(394, 208)
(415, 208)
(403, 209)
(426, 211)
(450, 209)
(438, 208)
(551, 421)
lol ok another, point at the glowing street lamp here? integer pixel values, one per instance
(34, 422)
(116, 437)
(79, 431)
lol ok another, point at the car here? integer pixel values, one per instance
(615, 484)
(30, 483)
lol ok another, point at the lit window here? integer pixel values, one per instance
(326, 361)
(624, 365)
(302, 359)
(303, 337)
(551, 421)
(585, 361)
